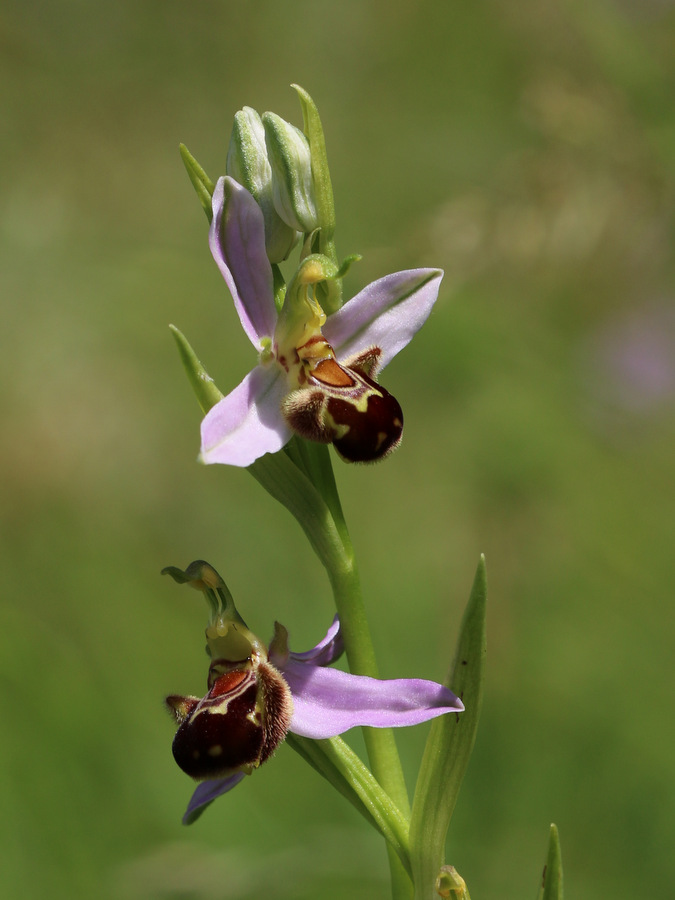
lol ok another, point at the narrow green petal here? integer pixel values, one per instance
(449, 746)
(202, 383)
(552, 885)
(200, 180)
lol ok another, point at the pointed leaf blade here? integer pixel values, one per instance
(552, 885)
(202, 384)
(449, 745)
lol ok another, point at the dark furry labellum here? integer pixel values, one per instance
(237, 725)
(342, 404)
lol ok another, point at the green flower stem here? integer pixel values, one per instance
(345, 582)
(292, 479)
(380, 742)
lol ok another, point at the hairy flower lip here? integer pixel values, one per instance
(249, 421)
(327, 702)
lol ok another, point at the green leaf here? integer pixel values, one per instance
(338, 764)
(449, 746)
(552, 882)
(200, 180)
(202, 383)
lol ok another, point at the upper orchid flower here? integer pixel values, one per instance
(315, 374)
(257, 695)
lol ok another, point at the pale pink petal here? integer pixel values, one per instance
(386, 314)
(248, 422)
(237, 242)
(326, 651)
(328, 702)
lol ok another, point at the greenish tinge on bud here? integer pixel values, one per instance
(247, 159)
(552, 881)
(227, 635)
(248, 164)
(288, 151)
(449, 745)
(202, 384)
(200, 180)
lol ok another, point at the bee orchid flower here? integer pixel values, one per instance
(257, 695)
(316, 374)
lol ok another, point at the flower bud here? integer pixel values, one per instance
(248, 164)
(293, 188)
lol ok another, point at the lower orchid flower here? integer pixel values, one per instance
(257, 695)
(316, 374)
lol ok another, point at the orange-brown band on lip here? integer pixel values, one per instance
(331, 373)
(228, 682)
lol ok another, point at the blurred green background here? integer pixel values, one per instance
(528, 148)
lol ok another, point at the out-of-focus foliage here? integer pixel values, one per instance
(527, 148)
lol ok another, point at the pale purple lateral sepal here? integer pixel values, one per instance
(386, 314)
(237, 242)
(248, 422)
(207, 792)
(328, 702)
(326, 651)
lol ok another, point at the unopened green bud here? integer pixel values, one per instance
(248, 164)
(289, 154)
